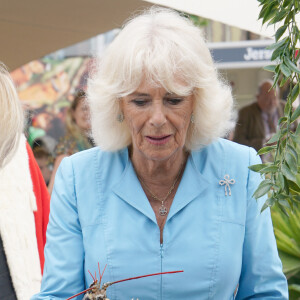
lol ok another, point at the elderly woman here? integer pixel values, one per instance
(163, 192)
(24, 202)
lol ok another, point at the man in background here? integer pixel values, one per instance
(257, 122)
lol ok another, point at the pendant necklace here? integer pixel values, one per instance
(162, 210)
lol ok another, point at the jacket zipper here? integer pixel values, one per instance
(161, 268)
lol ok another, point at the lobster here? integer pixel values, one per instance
(98, 292)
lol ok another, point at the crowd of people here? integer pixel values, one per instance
(161, 191)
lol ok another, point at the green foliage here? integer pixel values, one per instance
(287, 232)
(282, 181)
(282, 175)
(198, 21)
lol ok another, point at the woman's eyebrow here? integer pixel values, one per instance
(173, 95)
(139, 94)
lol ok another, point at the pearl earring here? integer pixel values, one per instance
(120, 117)
(192, 118)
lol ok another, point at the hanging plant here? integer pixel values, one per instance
(282, 178)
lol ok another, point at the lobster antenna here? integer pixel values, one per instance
(111, 283)
(99, 273)
(80, 293)
(154, 274)
(92, 275)
(103, 271)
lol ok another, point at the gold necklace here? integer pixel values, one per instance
(162, 210)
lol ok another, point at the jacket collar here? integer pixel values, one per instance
(130, 190)
(193, 183)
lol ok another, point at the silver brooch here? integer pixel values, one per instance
(227, 183)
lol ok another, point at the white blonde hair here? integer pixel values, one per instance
(11, 117)
(167, 50)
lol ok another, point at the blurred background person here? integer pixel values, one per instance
(44, 160)
(257, 122)
(44, 141)
(77, 137)
(24, 202)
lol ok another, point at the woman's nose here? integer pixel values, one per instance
(158, 117)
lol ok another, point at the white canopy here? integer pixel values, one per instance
(31, 29)
(238, 13)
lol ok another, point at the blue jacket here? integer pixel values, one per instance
(99, 213)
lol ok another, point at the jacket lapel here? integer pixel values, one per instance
(192, 184)
(130, 190)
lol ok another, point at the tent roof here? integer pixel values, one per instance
(33, 28)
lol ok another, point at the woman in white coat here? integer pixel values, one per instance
(24, 202)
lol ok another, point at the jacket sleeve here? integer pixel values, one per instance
(261, 275)
(64, 254)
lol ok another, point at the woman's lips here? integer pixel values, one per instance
(158, 140)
